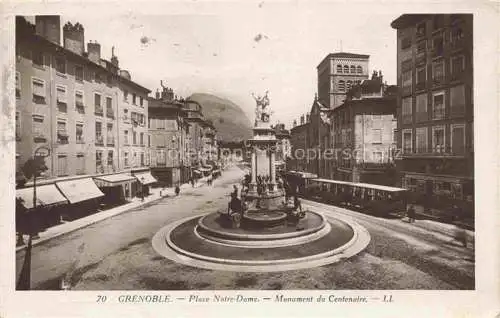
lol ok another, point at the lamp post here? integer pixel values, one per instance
(142, 185)
(24, 282)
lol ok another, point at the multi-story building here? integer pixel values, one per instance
(68, 101)
(283, 148)
(195, 134)
(363, 130)
(337, 72)
(318, 141)
(298, 144)
(435, 107)
(168, 138)
(210, 151)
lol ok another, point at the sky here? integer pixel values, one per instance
(234, 50)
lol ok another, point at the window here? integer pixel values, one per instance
(79, 133)
(79, 73)
(405, 43)
(421, 108)
(437, 45)
(406, 81)
(61, 65)
(37, 129)
(134, 138)
(394, 136)
(110, 138)
(134, 99)
(458, 139)
(98, 133)
(421, 135)
(141, 101)
(149, 140)
(407, 141)
(110, 158)
(421, 29)
(377, 157)
(125, 115)
(438, 105)
(80, 163)
(339, 68)
(421, 47)
(142, 159)
(125, 135)
(125, 159)
(457, 34)
(62, 133)
(438, 71)
(346, 68)
(377, 136)
(18, 85)
(438, 139)
(98, 161)
(457, 65)
(38, 90)
(407, 110)
(141, 138)
(18, 126)
(80, 107)
(97, 104)
(62, 165)
(349, 85)
(341, 85)
(353, 69)
(37, 57)
(109, 80)
(359, 69)
(61, 99)
(421, 78)
(457, 101)
(109, 107)
(125, 96)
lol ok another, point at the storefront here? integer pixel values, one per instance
(48, 200)
(117, 188)
(83, 195)
(145, 179)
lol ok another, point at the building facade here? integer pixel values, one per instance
(168, 138)
(283, 148)
(68, 101)
(298, 143)
(363, 133)
(337, 73)
(435, 107)
(318, 141)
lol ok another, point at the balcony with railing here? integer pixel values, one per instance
(110, 113)
(407, 118)
(438, 113)
(62, 137)
(421, 58)
(110, 141)
(99, 111)
(99, 140)
(438, 80)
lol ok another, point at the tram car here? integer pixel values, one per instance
(369, 198)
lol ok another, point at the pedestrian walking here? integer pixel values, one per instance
(177, 190)
(411, 214)
(192, 182)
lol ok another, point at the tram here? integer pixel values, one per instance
(370, 198)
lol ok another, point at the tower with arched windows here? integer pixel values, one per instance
(337, 73)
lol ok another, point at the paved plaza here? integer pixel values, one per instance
(116, 253)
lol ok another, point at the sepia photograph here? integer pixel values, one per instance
(271, 146)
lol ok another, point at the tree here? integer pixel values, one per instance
(34, 167)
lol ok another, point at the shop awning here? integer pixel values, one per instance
(205, 169)
(79, 190)
(113, 180)
(145, 178)
(197, 171)
(45, 195)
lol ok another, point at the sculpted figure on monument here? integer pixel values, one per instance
(262, 114)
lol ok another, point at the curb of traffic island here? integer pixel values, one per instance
(93, 218)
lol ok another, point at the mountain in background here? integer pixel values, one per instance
(228, 118)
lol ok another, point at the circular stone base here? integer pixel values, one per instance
(182, 241)
(263, 219)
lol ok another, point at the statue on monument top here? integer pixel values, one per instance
(262, 112)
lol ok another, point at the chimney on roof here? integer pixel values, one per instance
(49, 27)
(157, 94)
(94, 52)
(114, 59)
(73, 38)
(302, 120)
(295, 123)
(308, 117)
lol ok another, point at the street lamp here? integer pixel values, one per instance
(25, 276)
(142, 185)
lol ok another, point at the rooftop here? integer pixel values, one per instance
(344, 55)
